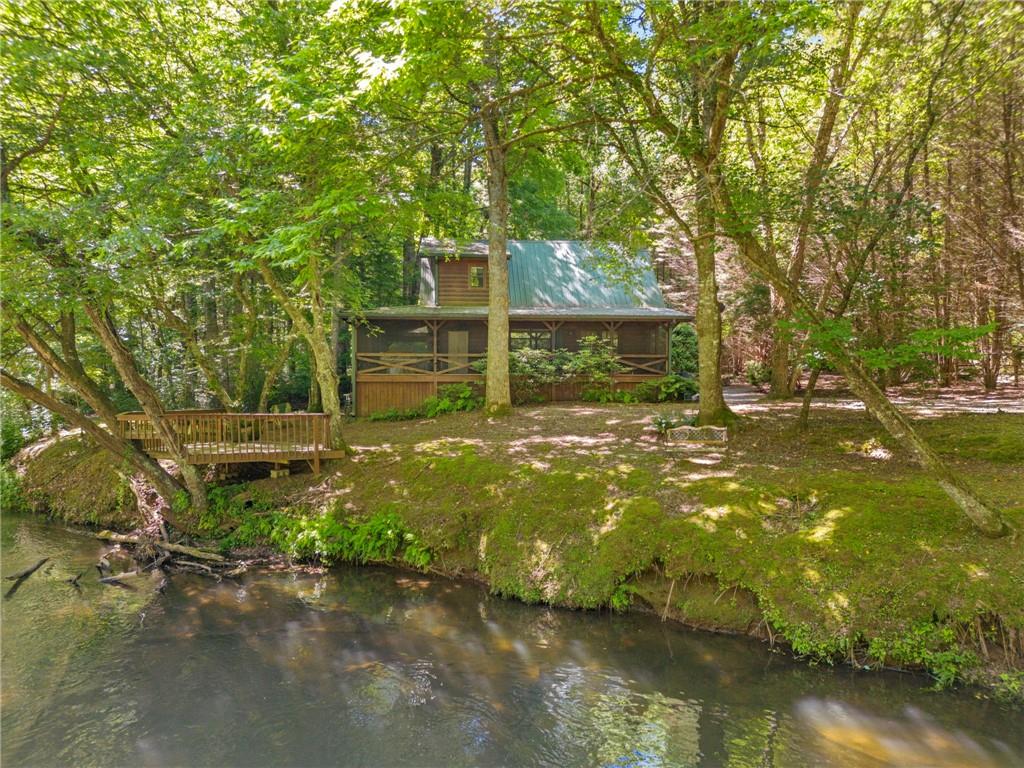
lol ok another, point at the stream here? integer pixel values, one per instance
(371, 666)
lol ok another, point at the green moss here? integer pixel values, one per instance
(77, 482)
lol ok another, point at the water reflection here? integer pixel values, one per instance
(376, 667)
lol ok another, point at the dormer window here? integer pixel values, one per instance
(476, 277)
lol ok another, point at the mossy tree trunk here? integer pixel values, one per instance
(150, 402)
(312, 327)
(497, 388)
(712, 408)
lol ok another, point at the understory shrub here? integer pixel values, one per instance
(397, 414)
(757, 373)
(671, 388)
(594, 366)
(11, 497)
(532, 370)
(451, 398)
(324, 537)
(683, 350)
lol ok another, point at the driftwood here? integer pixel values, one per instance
(180, 549)
(119, 576)
(20, 575)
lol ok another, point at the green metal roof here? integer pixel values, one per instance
(571, 273)
(552, 279)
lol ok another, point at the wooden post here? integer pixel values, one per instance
(316, 443)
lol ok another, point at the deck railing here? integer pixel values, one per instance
(426, 363)
(219, 437)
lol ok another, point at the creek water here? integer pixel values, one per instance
(369, 666)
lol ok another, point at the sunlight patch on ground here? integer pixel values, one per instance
(705, 460)
(838, 606)
(447, 446)
(823, 531)
(975, 571)
(614, 515)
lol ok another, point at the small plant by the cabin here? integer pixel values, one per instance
(683, 350)
(397, 414)
(604, 396)
(452, 398)
(595, 365)
(671, 388)
(533, 370)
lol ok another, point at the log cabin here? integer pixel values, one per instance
(560, 291)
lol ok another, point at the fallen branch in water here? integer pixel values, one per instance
(28, 571)
(181, 549)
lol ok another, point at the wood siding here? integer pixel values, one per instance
(453, 283)
(382, 393)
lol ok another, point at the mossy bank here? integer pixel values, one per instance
(831, 543)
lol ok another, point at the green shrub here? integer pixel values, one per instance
(683, 350)
(11, 497)
(452, 398)
(757, 373)
(603, 395)
(325, 538)
(230, 503)
(531, 370)
(595, 365)
(16, 426)
(667, 389)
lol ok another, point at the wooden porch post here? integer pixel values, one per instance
(354, 335)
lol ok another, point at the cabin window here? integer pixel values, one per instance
(476, 277)
(533, 338)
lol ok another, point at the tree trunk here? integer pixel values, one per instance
(712, 410)
(314, 334)
(148, 398)
(69, 369)
(780, 385)
(313, 400)
(497, 388)
(276, 366)
(167, 486)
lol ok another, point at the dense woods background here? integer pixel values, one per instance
(193, 192)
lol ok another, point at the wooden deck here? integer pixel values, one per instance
(216, 437)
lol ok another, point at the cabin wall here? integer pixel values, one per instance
(453, 283)
(400, 363)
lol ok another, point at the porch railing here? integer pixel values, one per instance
(216, 437)
(412, 363)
